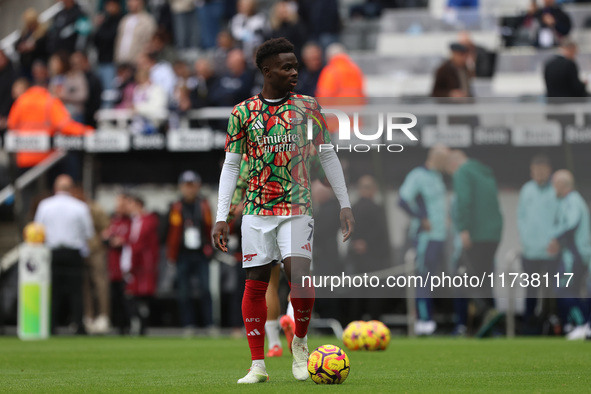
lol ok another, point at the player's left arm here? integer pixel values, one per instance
(334, 173)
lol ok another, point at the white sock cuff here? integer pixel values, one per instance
(304, 339)
(259, 363)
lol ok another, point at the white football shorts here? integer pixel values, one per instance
(268, 238)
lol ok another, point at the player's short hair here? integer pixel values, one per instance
(539, 160)
(272, 48)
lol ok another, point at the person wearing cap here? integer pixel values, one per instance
(189, 247)
(452, 78)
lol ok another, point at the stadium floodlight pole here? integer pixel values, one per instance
(277, 224)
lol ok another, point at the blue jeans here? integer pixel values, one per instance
(190, 265)
(185, 30)
(209, 16)
(106, 73)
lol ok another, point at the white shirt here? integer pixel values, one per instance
(134, 233)
(162, 74)
(67, 222)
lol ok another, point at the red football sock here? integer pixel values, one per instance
(254, 314)
(302, 299)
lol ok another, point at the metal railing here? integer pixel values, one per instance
(7, 43)
(442, 111)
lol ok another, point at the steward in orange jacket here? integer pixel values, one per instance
(37, 111)
(341, 83)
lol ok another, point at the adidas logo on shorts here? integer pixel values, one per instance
(307, 247)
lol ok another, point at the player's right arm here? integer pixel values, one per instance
(235, 147)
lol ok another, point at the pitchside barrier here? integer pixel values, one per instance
(457, 125)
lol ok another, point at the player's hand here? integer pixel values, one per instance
(553, 248)
(220, 236)
(347, 223)
(466, 239)
(426, 224)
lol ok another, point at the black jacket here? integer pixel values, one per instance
(104, 38)
(7, 78)
(563, 23)
(64, 32)
(93, 104)
(562, 78)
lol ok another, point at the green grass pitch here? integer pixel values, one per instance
(158, 365)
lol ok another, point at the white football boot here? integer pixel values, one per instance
(299, 368)
(256, 374)
(578, 333)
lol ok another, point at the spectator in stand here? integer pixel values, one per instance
(548, 24)
(185, 28)
(237, 84)
(160, 10)
(36, 110)
(188, 244)
(79, 61)
(209, 13)
(161, 72)
(19, 87)
(96, 283)
(59, 64)
(139, 263)
(115, 236)
(68, 228)
(249, 27)
(480, 62)
(206, 91)
(40, 74)
(69, 29)
(7, 78)
(322, 20)
(561, 73)
(225, 43)
(149, 105)
(31, 44)
(285, 23)
(123, 87)
(452, 78)
(75, 91)
(310, 73)
(106, 26)
(159, 45)
(368, 9)
(101, 6)
(184, 82)
(134, 32)
(462, 3)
